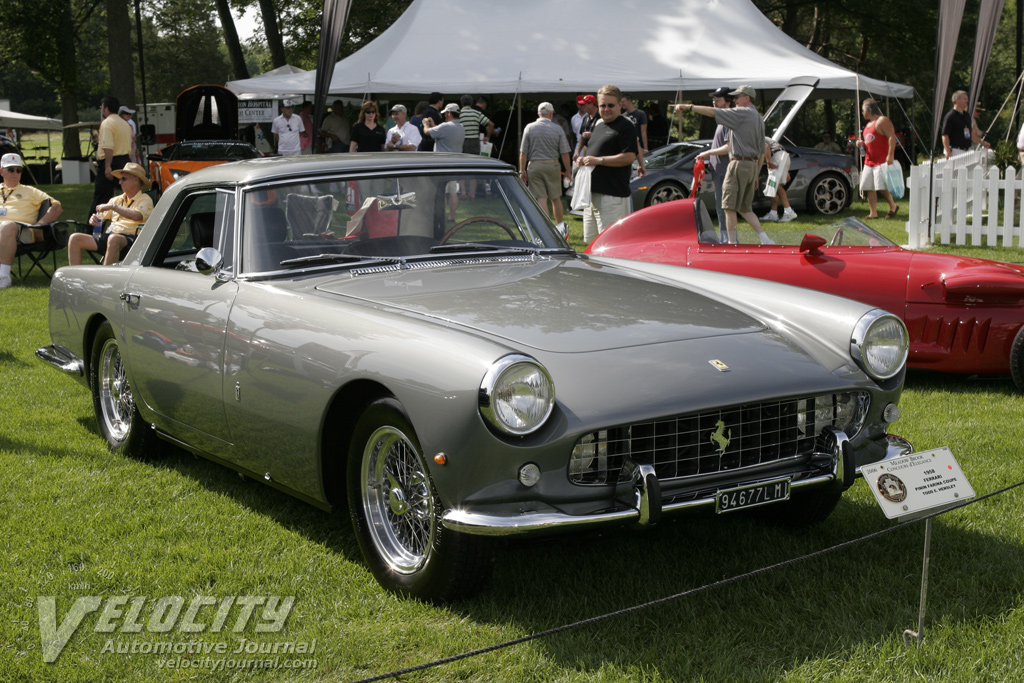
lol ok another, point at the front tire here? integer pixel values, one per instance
(113, 401)
(1017, 360)
(396, 513)
(829, 194)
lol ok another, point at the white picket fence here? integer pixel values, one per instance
(969, 198)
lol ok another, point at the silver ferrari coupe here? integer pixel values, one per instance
(343, 328)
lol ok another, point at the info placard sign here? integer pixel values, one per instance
(914, 484)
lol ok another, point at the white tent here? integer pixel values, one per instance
(10, 119)
(572, 46)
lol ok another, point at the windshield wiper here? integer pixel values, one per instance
(338, 258)
(477, 246)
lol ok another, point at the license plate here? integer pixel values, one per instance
(752, 496)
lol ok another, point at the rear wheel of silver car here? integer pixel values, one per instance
(396, 513)
(1017, 360)
(803, 509)
(113, 400)
(666, 191)
(829, 194)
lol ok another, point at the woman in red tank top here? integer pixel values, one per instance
(879, 144)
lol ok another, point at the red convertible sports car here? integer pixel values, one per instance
(964, 315)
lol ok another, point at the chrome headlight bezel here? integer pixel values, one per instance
(880, 344)
(511, 379)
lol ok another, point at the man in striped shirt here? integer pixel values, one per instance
(473, 120)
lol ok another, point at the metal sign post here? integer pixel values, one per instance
(919, 633)
(913, 486)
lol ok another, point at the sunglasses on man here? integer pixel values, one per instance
(13, 169)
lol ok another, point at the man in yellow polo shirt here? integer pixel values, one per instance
(112, 151)
(19, 210)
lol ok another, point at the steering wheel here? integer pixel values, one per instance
(837, 239)
(476, 219)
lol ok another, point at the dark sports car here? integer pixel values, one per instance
(820, 181)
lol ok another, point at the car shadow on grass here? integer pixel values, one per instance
(756, 627)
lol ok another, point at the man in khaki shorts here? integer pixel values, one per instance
(746, 150)
(544, 144)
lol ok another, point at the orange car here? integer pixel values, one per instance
(206, 132)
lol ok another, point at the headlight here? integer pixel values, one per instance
(177, 173)
(880, 344)
(517, 395)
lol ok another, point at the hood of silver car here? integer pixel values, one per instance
(559, 305)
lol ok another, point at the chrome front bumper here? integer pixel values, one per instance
(647, 508)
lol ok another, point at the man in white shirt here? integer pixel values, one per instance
(403, 136)
(287, 129)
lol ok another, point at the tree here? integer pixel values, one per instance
(235, 54)
(119, 50)
(27, 39)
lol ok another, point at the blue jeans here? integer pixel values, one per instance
(718, 180)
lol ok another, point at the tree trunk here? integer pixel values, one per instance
(231, 40)
(67, 85)
(119, 49)
(274, 42)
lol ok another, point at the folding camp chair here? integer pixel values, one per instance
(55, 238)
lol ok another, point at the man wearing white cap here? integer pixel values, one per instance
(447, 137)
(403, 136)
(19, 211)
(287, 128)
(543, 153)
(746, 150)
(126, 212)
(127, 114)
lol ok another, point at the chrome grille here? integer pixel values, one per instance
(719, 440)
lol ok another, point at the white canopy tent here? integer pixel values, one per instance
(572, 46)
(10, 119)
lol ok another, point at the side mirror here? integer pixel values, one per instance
(812, 244)
(209, 261)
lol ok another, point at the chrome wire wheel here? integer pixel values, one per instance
(397, 500)
(115, 395)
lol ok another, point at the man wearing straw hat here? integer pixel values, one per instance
(126, 212)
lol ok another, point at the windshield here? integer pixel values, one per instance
(848, 232)
(666, 156)
(390, 217)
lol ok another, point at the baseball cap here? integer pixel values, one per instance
(10, 160)
(125, 110)
(450, 107)
(288, 104)
(721, 92)
(745, 90)
(400, 107)
(586, 99)
(545, 108)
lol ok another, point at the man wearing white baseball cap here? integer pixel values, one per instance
(19, 211)
(286, 129)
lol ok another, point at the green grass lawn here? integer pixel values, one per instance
(77, 521)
